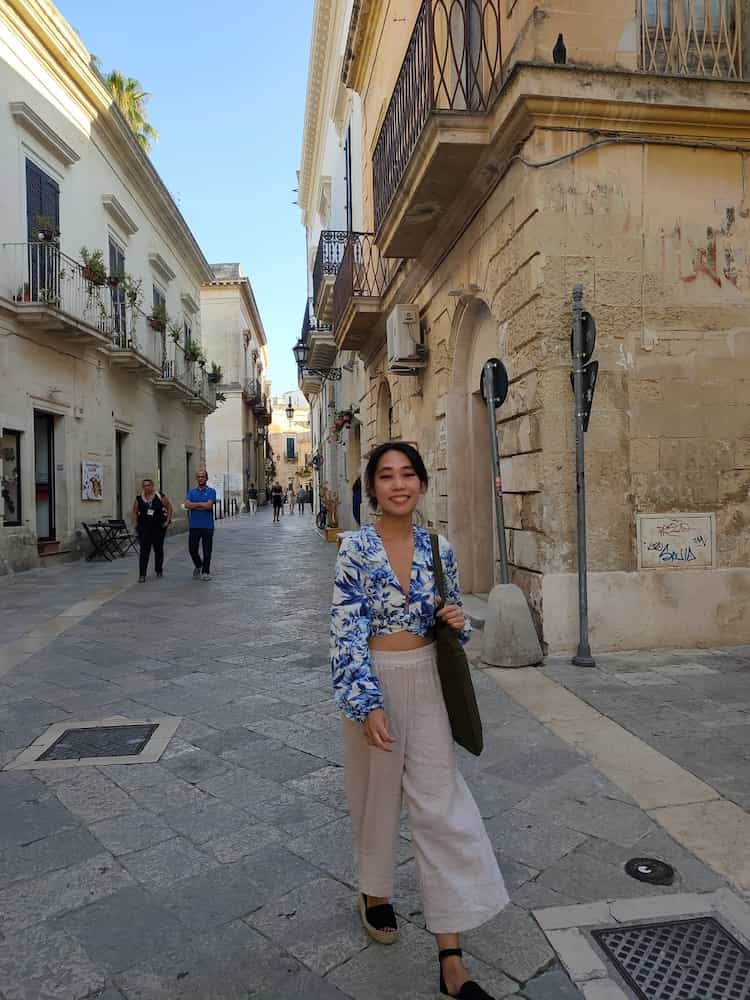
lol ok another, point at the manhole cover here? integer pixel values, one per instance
(102, 741)
(680, 960)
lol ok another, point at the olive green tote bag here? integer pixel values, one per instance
(455, 674)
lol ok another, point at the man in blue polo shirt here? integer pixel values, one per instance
(200, 503)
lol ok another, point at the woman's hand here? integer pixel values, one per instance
(452, 615)
(377, 733)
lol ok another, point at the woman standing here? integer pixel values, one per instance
(151, 514)
(396, 731)
(277, 499)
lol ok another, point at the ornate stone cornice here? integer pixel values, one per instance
(28, 119)
(318, 70)
(51, 40)
(359, 42)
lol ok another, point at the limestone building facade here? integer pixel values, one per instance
(236, 432)
(97, 389)
(290, 440)
(495, 177)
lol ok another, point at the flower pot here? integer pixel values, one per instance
(157, 324)
(113, 280)
(93, 277)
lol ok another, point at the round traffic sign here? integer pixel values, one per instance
(499, 376)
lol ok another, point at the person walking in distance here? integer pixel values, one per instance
(309, 497)
(301, 496)
(200, 503)
(152, 513)
(291, 498)
(277, 499)
(252, 496)
(397, 735)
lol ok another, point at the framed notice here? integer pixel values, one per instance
(676, 541)
(92, 482)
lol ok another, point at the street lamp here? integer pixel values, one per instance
(301, 352)
(290, 410)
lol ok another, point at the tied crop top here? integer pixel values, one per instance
(368, 600)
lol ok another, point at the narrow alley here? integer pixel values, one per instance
(225, 870)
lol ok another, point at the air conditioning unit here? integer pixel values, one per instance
(406, 355)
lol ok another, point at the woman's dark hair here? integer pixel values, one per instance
(374, 459)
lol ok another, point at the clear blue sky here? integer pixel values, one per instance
(228, 93)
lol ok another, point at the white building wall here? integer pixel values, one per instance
(58, 117)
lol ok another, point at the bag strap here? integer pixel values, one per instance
(437, 566)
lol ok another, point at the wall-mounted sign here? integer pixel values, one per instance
(92, 481)
(676, 541)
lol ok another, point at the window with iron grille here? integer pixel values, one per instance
(692, 37)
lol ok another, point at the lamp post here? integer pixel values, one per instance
(290, 410)
(301, 352)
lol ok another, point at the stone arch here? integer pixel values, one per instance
(384, 414)
(474, 338)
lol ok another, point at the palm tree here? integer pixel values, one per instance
(131, 100)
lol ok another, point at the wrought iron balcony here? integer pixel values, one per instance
(452, 73)
(319, 338)
(692, 37)
(327, 262)
(52, 292)
(253, 391)
(362, 279)
(135, 344)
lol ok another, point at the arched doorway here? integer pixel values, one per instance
(470, 481)
(384, 414)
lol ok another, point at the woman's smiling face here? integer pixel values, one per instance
(397, 485)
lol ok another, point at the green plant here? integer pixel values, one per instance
(202, 359)
(46, 228)
(216, 374)
(93, 266)
(192, 352)
(133, 291)
(221, 397)
(131, 99)
(158, 319)
(48, 298)
(175, 332)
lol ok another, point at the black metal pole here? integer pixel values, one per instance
(489, 395)
(583, 657)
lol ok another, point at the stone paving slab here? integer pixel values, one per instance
(225, 870)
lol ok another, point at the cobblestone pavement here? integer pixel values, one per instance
(224, 871)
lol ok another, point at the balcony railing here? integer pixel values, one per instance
(328, 258)
(253, 390)
(692, 37)
(363, 273)
(40, 274)
(132, 334)
(453, 63)
(311, 324)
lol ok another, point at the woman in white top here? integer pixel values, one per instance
(397, 736)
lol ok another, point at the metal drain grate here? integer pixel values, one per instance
(102, 741)
(680, 960)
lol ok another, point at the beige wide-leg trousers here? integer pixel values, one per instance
(459, 876)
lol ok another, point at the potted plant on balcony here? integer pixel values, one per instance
(46, 229)
(202, 359)
(93, 266)
(192, 352)
(216, 374)
(175, 332)
(220, 397)
(158, 319)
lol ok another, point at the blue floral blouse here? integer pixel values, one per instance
(368, 600)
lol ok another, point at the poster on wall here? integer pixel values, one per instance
(91, 481)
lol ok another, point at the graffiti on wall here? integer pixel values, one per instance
(712, 255)
(676, 541)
